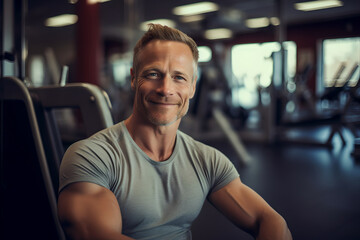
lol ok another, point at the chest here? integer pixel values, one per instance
(152, 195)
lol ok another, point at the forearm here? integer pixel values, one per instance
(273, 226)
(247, 210)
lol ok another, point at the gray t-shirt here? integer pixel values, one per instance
(158, 200)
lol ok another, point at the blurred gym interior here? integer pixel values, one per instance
(278, 93)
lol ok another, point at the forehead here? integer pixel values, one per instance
(166, 51)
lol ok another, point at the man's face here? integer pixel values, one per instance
(164, 82)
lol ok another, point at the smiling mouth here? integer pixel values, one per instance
(163, 103)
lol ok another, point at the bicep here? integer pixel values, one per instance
(87, 210)
(240, 204)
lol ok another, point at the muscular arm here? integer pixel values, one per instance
(89, 211)
(250, 212)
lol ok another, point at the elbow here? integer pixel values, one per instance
(284, 229)
(273, 226)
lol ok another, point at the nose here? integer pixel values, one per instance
(166, 86)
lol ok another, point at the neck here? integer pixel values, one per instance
(157, 142)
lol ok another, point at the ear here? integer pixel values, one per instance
(193, 87)
(133, 79)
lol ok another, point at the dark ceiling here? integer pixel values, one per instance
(120, 19)
(116, 15)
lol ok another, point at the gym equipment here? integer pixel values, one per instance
(28, 201)
(90, 102)
(334, 118)
(207, 106)
(231, 135)
(32, 149)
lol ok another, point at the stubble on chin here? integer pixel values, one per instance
(156, 120)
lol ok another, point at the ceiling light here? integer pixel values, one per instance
(317, 5)
(257, 22)
(193, 18)
(166, 22)
(89, 1)
(275, 21)
(233, 14)
(218, 33)
(195, 8)
(97, 1)
(61, 20)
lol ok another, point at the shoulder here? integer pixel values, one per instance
(110, 134)
(213, 165)
(101, 147)
(88, 155)
(198, 148)
(105, 140)
(97, 157)
(206, 157)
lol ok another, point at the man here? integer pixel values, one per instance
(144, 179)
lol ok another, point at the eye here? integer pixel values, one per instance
(179, 77)
(152, 75)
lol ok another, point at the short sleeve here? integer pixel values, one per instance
(223, 171)
(86, 161)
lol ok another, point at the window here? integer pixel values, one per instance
(253, 66)
(205, 54)
(37, 70)
(341, 59)
(120, 66)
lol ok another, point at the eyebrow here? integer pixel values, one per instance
(182, 74)
(158, 70)
(151, 69)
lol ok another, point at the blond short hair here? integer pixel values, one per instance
(160, 32)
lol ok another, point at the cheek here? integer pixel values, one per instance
(140, 86)
(188, 92)
(185, 97)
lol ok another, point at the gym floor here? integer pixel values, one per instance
(316, 189)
